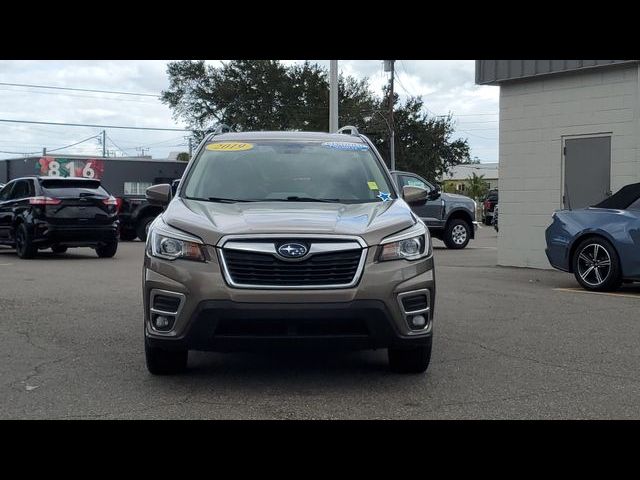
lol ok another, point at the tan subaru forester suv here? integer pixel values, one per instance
(287, 239)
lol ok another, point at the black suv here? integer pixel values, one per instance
(53, 212)
(136, 214)
(450, 217)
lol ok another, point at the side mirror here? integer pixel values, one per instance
(174, 187)
(435, 193)
(414, 196)
(159, 194)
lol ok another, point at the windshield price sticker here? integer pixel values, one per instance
(359, 147)
(373, 186)
(229, 147)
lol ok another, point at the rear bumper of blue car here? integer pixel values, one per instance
(556, 259)
(557, 250)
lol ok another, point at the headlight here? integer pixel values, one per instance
(411, 244)
(171, 244)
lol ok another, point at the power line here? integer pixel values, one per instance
(55, 149)
(94, 125)
(73, 144)
(79, 89)
(475, 114)
(18, 153)
(480, 121)
(476, 135)
(96, 97)
(116, 145)
(172, 139)
(404, 69)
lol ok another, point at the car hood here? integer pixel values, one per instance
(454, 197)
(210, 221)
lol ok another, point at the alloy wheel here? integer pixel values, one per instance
(459, 234)
(594, 264)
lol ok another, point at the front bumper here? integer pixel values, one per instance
(216, 317)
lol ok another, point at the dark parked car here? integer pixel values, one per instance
(600, 245)
(489, 203)
(52, 212)
(450, 217)
(495, 217)
(136, 215)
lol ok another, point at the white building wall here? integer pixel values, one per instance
(535, 116)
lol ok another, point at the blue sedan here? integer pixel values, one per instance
(600, 245)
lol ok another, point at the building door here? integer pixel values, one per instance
(587, 171)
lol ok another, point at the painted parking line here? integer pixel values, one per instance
(611, 294)
(5, 264)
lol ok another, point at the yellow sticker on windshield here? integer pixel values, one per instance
(229, 146)
(373, 186)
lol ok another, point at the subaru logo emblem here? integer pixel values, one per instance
(292, 250)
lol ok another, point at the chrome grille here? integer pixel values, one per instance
(257, 264)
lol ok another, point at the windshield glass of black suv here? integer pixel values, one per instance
(271, 170)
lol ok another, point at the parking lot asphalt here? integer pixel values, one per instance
(509, 343)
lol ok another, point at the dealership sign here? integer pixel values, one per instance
(70, 167)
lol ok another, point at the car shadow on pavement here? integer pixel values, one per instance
(6, 254)
(260, 364)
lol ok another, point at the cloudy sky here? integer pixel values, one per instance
(445, 85)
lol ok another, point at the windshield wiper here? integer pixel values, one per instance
(227, 200)
(303, 199)
(219, 199)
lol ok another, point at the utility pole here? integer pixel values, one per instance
(190, 147)
(389, 67)
(104, 143)
(333, 96)
(141, 150)
(44, 151)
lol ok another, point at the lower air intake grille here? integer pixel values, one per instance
(165, 303)
(414, 303)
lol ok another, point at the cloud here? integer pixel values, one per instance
(445, 85)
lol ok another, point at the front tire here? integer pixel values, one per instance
(143, 228)
(108, 250)
(596, 265)
(414, 360)
(127, 235)
(457, 234)
(165, 362)
(24, 243)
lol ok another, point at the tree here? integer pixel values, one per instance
(476, 187)
(183, 157)
(267, 95)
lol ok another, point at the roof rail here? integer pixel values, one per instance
(349, 130)
(218, 129)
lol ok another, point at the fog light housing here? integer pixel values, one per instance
(163, 322)
(418, 321)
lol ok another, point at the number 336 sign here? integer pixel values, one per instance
(70, 167)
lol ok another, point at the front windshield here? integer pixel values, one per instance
(272, 170)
